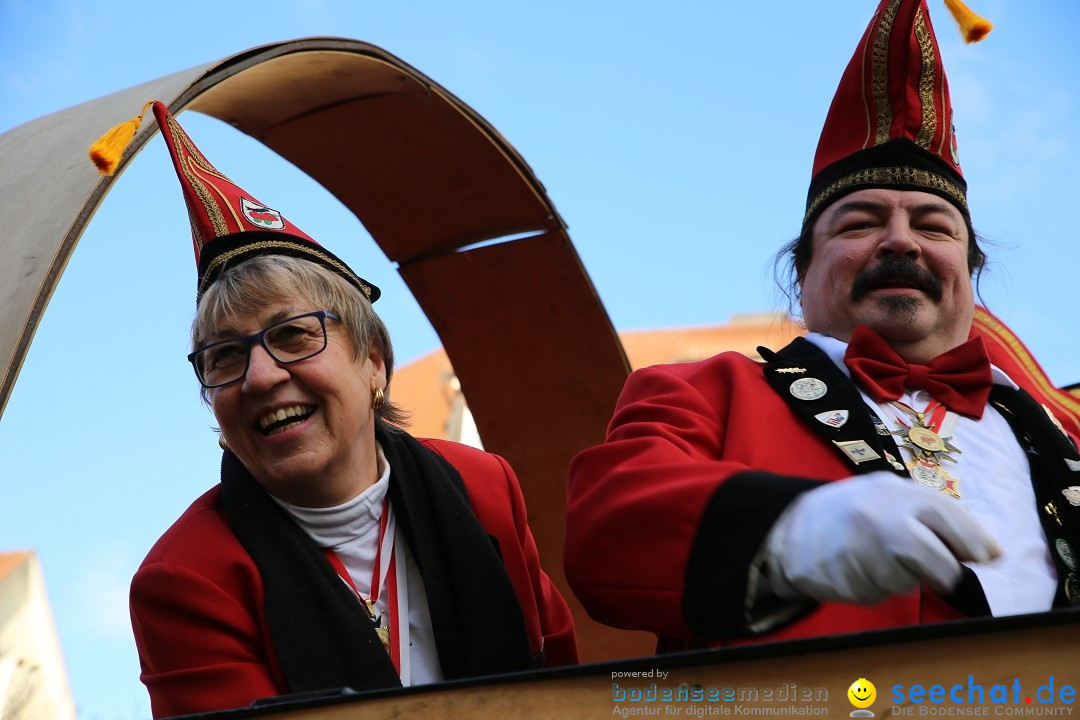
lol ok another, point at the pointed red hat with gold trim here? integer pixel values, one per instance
(228, 225)
(891, 121)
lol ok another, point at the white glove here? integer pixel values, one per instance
(865, 538)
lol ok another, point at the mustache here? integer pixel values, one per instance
(903, 271)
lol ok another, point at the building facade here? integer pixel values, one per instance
(33, 677)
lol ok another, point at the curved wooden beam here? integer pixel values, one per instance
(520, 320)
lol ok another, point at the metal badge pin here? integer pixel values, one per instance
(897, 465)
(808, 389)
(1065, 552)
(795, 370)
(1051, 510)
(927, 476)
(857, 451)
(1072, 589)
(1054, 419)
(1074, 465)
(1072, 494)
(832, 418)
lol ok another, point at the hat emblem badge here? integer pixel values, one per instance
(261, 216)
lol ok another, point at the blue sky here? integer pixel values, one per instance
(674, 138)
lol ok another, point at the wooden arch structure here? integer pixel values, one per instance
(429, 179)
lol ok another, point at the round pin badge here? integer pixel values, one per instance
(928, 477)
(1072, 589)
(1065, 552)
(808, 389)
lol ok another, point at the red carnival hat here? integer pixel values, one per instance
(891, 120)
(228, 225)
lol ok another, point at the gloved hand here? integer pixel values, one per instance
(868, 537)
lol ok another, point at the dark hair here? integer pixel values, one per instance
(792, 260)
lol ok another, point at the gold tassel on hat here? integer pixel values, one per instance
(109, 148)
(974, 27)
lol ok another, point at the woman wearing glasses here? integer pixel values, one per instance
(337, 551)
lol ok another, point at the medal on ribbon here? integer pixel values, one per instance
(921, 437)
(381, 630)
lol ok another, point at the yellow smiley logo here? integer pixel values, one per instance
(862, 693)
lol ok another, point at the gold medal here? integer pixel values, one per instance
(384, 572)
(382, 632)
(384, 636)
(928, 448)
(926, 439)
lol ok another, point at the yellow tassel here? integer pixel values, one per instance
(973, 27)
(109, 148)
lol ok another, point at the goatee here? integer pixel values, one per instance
(901, 309)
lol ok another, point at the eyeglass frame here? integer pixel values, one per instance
(259, 338)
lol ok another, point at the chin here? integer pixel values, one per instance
(896, 317)
(900, 309)
(287, 472)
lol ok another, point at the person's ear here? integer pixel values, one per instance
(378, 367)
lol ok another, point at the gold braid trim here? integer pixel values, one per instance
(865, 101)
(1061, 400)
(925, 137)
(213, 210)
(192, 161)
(180, 137)
(946, 122)
(879, 73)
(906, 177)
(191, 154)
(273, 245)
(196, 232)
(225, 203)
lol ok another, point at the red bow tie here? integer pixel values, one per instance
(959, 379)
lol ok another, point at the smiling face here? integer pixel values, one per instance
(895, 261)
(304, 430)
(862, 693)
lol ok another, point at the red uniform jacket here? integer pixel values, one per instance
(197, 599)
(665, 518)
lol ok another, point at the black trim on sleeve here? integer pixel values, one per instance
(732, 531)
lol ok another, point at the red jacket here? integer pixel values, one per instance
(197, 598)
(664, 519)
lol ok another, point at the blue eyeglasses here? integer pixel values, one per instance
(289, 341)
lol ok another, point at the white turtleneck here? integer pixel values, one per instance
(351, 530)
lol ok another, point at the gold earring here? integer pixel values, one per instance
(377, 398)
(221, 443)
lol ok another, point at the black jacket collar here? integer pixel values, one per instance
(832, 407)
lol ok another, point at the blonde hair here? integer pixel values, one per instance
(248, 287)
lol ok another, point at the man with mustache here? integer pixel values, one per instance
(878, 472)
